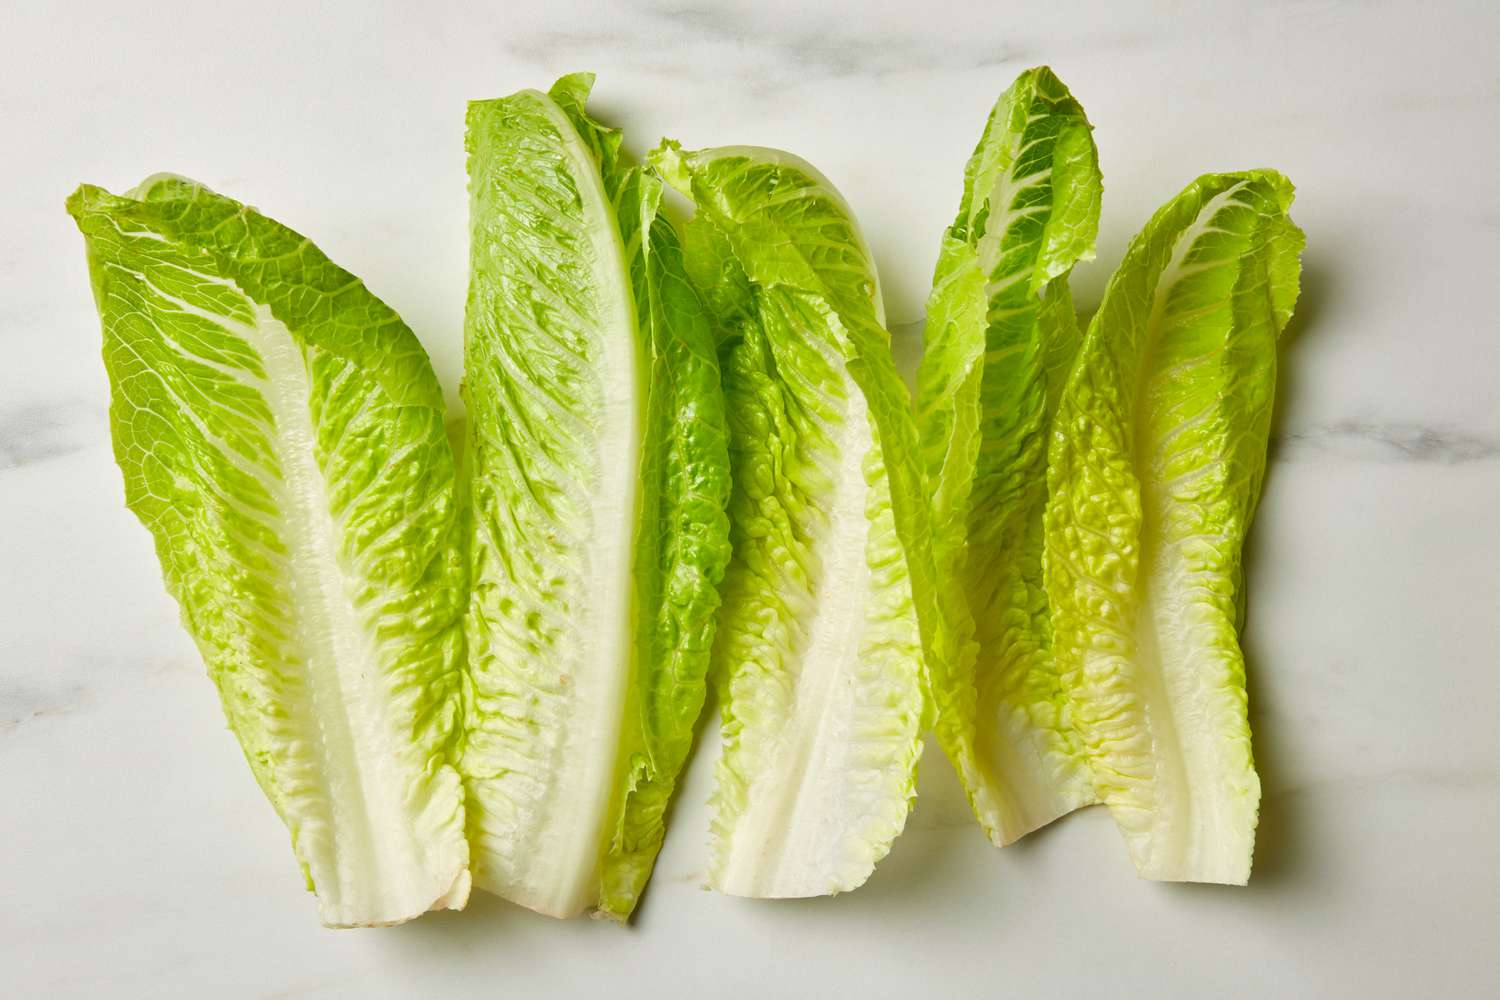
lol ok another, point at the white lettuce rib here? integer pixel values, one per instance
(1018, 755)
(1187, 833)
(785, 842)
(821, 648)
(379, 873)
(554, 866)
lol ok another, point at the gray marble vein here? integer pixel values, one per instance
(25, 700)
(757, 54)
(1389, 441)
(40, 431)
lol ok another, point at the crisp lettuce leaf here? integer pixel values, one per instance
(1154, 471)
(819, 648)
(598, 474)
(280, 431)
(999, 338)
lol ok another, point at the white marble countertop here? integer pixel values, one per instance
(137, 857)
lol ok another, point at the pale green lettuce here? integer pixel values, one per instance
(598, 474)
(1154, 471)
(999, 338)
(819, 650)
(280, 431)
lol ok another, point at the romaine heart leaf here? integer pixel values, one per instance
(1000, 335)
(819, 649)
(1154, 472)
(598, 475)
(280, 431)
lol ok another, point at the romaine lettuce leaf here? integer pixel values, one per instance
(1154, 471)
(819, 650)
(280, 431)
(1000, 335)
(598, 475)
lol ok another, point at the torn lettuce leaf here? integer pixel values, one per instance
(1154, 472)
(819, 656)
(999, 338)
(280, 431)
(598, 474)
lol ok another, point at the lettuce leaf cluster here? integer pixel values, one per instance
(1092, 493)
(689, 463)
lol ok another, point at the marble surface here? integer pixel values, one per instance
(137, 857)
